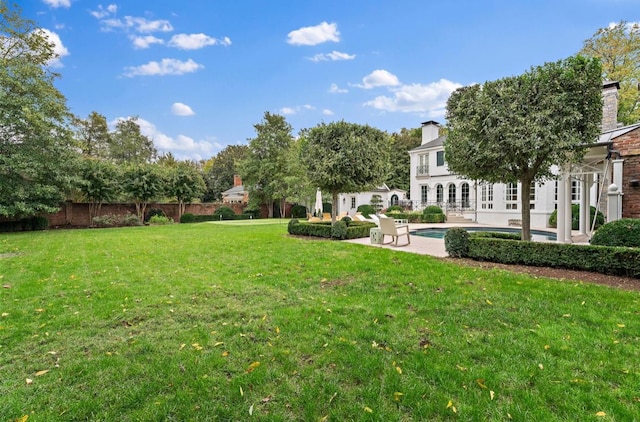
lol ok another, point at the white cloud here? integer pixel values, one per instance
(58, 48)
(103, 12)
(137, 24)
(182, 146)
(287, 110)
(58, 3)
(180, 109)
(313, 35)
(334, 89)
(379, 78)
(196, 41)
(327, 112)
(144, 42)
(428, 99)
(165, 67)
(333, 56)
(296, 109)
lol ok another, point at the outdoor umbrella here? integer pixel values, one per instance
(318, 207)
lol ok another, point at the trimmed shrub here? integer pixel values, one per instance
(433, 218)
(128, 220)
(357, 229)
(432, 209)
(347, 220)
(187, 217)
(39, 223)
(496, 235)
(339, 230)
(624, 232)
(456, 242)
(160, 220)
(394, 208)
(117, 220)
(293, 222)
(298, 211)
(366, 210)
(153, 212)
(224, 213)
(575, 218)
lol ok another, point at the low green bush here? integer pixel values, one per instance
(432, 209)
(496, 235)
(111, 220)
(394, 208)
(25, 224)
(160, 220)
(339, 230)
(128, 220)
(187, 217)
(575, 218)
(224, 213)
(356, 230)
(292, 222)
(153, 212)
(366, 210)
(298, 211)
(624, 232)
(456, 242)
(433, 218)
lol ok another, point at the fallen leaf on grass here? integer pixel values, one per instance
(182, 346)
(601, 414)
(23, 418)
(399, 370)
(29, 381)
(5, 314)
(480, 382)
(253, 366)
(453, 408)
(266, 399)
(368, 409)
(620, 325)
(492, 394)
(225, 353)
(218, 343)
(488, 302)
(40, 373)
(397, 396)
(241, 392)
(251, 410)
(6, 286)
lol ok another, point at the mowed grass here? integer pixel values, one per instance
(243, 322)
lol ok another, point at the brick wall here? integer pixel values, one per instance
(629, 147)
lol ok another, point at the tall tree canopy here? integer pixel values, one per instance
(345, 157)
(219, 171)
(514, 129)
(92, 135)
(266, 166)
(129, 145)
(184, 183)
(35, 152)
(401, 143)
(618, 48)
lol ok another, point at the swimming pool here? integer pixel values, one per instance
(438, 232)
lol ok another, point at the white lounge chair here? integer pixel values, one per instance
(390, 228)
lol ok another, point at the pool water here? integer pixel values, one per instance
(438, 232)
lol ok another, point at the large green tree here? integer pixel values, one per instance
(36, 158)
(143, 183)
(618, 48)
(99, 183)
(345, 157)
(400, 161)
(266, 166)
(184, 183)
(92, 135)
(129, 145)
(220, 170)
(514, 129)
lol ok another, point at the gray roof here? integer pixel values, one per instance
(610, 135)
(236, 190)
(438, 142)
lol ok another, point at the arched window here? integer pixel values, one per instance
(439, 194)
(394, 199)
(452, 194)
(465, 195)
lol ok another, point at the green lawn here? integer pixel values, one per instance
(222, 322)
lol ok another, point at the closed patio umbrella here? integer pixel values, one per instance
(318, 206)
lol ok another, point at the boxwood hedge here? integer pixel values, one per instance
(355, 230)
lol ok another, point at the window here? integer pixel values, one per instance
(486, 197)
(452, 194)
(440, 158)
(532, 196)
(353, 202)
(511, 200)
(439, 194)
(424, 190)
(465, 195)
(575, 190)
(423, 165)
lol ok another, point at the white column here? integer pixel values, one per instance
(587, 193)
(567, 204)
(584, 205)
(617, 174)
(560, 233)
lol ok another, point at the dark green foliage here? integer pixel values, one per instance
(326, 207)
(393, 208)
(339, 230)
(117, 220)
(366, 210)
(456, 242)
(25, 224)
(432, 209)
(356, 230)
(154, 212)
(187, 217)
(624, 232)
(160, 220)
(575, 218)
(347, 220)
(224, 213)
(496, 235)
(601, 259)
(299, 211)
(292, 223)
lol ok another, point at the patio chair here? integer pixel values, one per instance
(326, 216)
(390, 228)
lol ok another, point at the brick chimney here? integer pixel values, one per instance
(430, 131)
(237, 181)
(610, 105)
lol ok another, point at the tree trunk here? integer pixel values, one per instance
(334, 206)
(270, 208)
(525, 203)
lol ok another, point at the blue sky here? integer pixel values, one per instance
(200, 73)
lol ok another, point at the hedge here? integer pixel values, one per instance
(191, 218)
(25, 224)
(601, 259)
(413, 217)
(356, 229)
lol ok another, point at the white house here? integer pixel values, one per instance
(349, 202)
